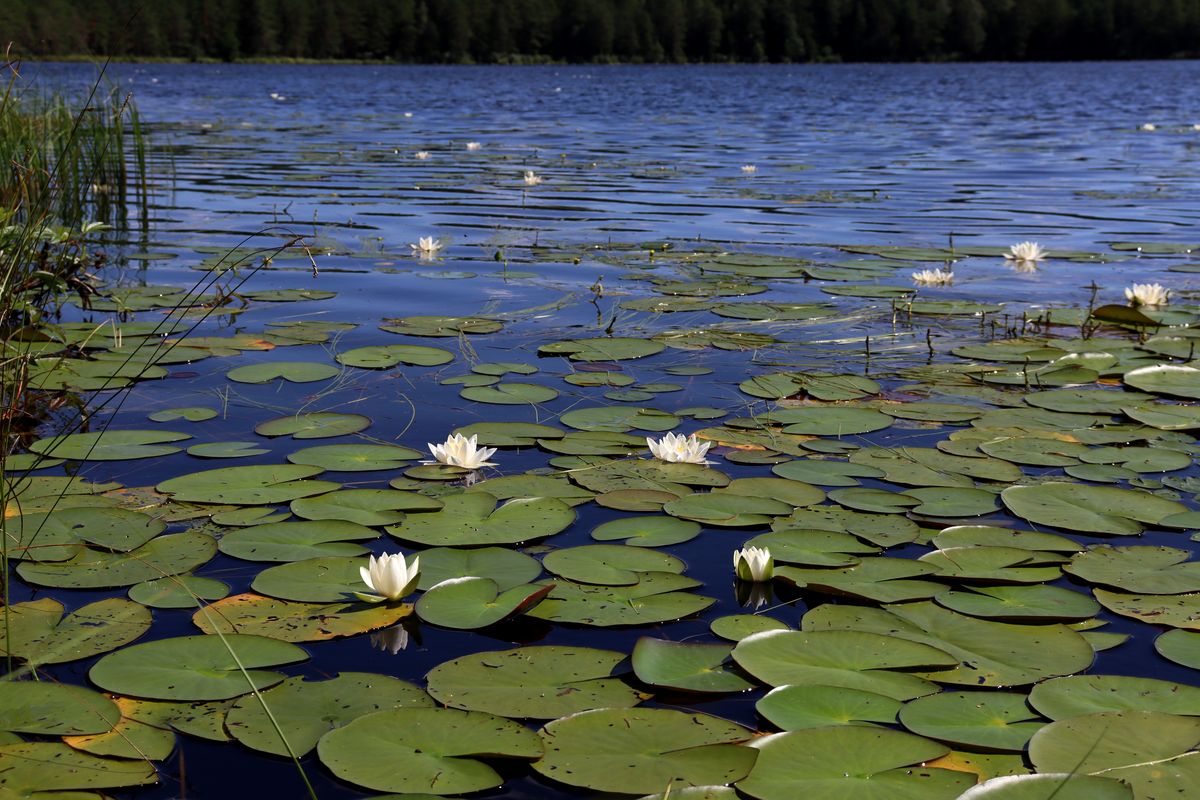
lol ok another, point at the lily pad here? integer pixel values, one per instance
(692, 667)
(92, 568)
(613, 348)
(655, 598)
(109, 445)
(647, 531)
(473, 518)
(306, 710)
(643, 750)
(1092, 509)
(358, 457)
(988, 720)
(1049, 786)
(794, 708)
(411, 750)
(1076, 695)
(37, 631)
(54, 770)
(290, 371)
(177, 591)
(843, 761)
(509, 394)
(195, 667)
(293, 541)
(1143, 568)
(1180, 646)
(317, 425)
(257, 485)
(364, 506)
(609, 564)
(508, 568)
(536, 682)
(54, 709)
(471, 602)
(292, 621)
(389, 355)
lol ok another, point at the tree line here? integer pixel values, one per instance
(639, 31)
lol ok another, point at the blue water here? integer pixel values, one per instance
(988, 154)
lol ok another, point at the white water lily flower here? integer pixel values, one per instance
(459, 451)
(749, 169)
(1149, 126)
(390, 576)
(532, 178)
(677, 448)
(421, 155)
(426, 247)
(473, 145)
(1026, 251)
(933, 277)
(1147, 294)
(754, 564)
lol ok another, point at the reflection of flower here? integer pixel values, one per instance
(422, 154)
(390, 576)
(1023, 266)
(753, 594)
(749, 169)
(1147, 294)
(677, 448)
(426, 247)
(933, 277)
(459, 451)
(532, 178)
(393, 639)
(1026, 251)
(473, 145)
(754, 564)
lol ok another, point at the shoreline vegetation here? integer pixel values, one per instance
(603, 31)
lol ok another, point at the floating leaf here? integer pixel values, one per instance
(37, 631)
(54, 709)
(306, 710)
(643, 750)
(1158, 570)
(1049, 786)
(510, 394)
(614, 348)
(473, 519)
(52, 769)
(691, 667)
(189, 413)
(1176, 610)
(537, 682)
(655, 598)
(411, 750)
(508, 568)
(109, 445)
(467, 603)
(258, 485)
(797, 707)
(844, 761)
(1076, 695)
(1180, 646)
(290, 371)
(291, 621)
(988, 720)
(318, 425)
(364, 506)
(177, 591)
(293, 541)
(647, 531)
(92, 569)
(358, 457)
(1093, 509)
(388, 356)
(194, 667)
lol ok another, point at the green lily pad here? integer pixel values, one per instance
(471, 602)
(1076, 695)
(293, 541)
(473, 518)
(509, 434)
(54, 709)
(1180, 646)
(1165, 417)
(883, 579)
(91, 568)
(56, 535)
(535, 682)
(441, 326)
(657, 597)
(619, 419)
(509, 394)
(226, 450)
(1175, 610)
(411, 750)
(643, 750)
(957, 501)
(829, 420)
(306, 710)
(388, 356)
(194, 667)
(290, 371)
(884, 530)
(364, 506)
(847, 659)
(37, 631)
(189, 413)
(358, 457)
(794, 708)
(508, 568)
(1092, 509)
(924, 466)
(1151, 751)
(508, 487)
(647, 531)
(1049, 786)
(1142, 568)
(987, 653)
(614, 348)
(812, 548)
(736, 627)
(249, 486)
(1175, 380)
(989, 565)
(55, 771)
(109, 445)
(317, 425)
(1020, 603)
(609, 564)
(643, 474)
(843, 761)
(177, 591)
(313, 580)
(988, 720)
(727, 510)
(293, 621)
(825, 473)
(794, 493)
(692, 667)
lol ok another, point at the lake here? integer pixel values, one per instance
(733, 243)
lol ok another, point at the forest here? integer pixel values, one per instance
(637, 31)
